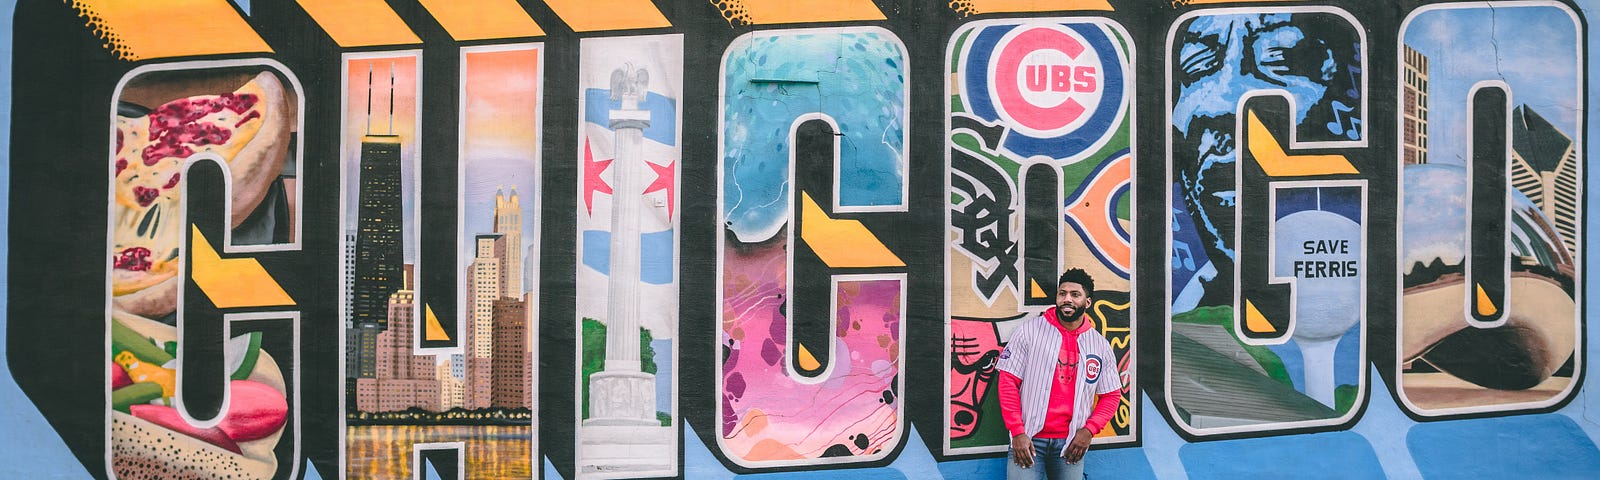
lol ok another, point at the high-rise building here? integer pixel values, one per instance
(483, 288)
(397, 357)
(508, 222)
(450, 394)
(403, 379)
(361, 350)
(1414, 112)
(379, 249)
(1545, 168)
(513, 356)
(352, 352)
(347, 312)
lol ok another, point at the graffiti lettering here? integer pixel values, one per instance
(205, 342)
(1489, 263)
(807, 381)
(311, 238)
(1016, 183)
(1244, 207)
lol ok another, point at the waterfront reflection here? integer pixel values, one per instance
(491, 452)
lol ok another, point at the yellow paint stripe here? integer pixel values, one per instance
(767, 12)
(599, 15)
(482, 19)
(1278, 163)
(978, 7)
(360, 23)
(435, 331)
(233, 282)
(842, 243)
(1484, 305)
(146, 29)
(1215, 2)
(808, 362)
(1255, 321)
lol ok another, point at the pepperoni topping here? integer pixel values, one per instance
(119, 140)
(173, 182)
(175, 126)
(121, 165)
(145, 195)
(132, 258)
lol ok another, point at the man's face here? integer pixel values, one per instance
(1071, 301)
(1220, 59)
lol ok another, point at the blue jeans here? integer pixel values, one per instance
(1048, 464)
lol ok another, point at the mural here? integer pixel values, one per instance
(627, 250)
(630, 239)
(1489, 318)
(1040, 135)
(1267, 306)
(806, 380)
(219, 135)
(406, 384)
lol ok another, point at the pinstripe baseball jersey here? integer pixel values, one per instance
(1031, 355)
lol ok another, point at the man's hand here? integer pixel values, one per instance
(1022, 450)
(1079, 445)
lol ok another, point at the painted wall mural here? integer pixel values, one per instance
(221, 135)
(1489, 317)
(1040, 140)
(627, 249)
(813, 129)
(715, 239)
(1263, 299)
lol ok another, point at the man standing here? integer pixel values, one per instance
(1059, 385)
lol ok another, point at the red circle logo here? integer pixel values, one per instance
(1091, 368)
(1047, 81)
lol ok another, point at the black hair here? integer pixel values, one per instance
(1080, 277)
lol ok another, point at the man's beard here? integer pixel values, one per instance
(1066, 318)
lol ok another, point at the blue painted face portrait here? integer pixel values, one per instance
(1312, 58)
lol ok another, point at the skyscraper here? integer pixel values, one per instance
(1414, 111)
(450, 394)
(508, 222)
(1545, 168)
(349, 273)
(403, 378)
(379, 230)
(483, 289)
(512, 355)
(361, 349)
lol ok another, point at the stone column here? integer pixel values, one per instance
(622, 394)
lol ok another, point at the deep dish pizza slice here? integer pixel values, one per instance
(247, 128)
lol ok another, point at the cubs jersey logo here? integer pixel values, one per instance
(1091, 368)
(1005, 353)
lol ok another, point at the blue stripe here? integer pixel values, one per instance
(655, 254)
(597, 107)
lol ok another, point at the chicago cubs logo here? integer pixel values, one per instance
(1091, 368)
(1058, 89)
(1047, 80)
